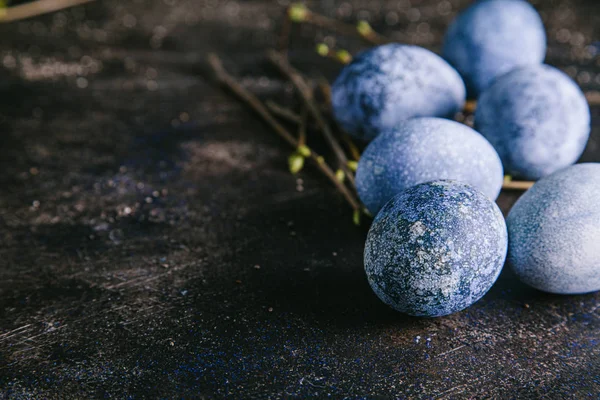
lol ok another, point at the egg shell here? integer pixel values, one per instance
(537, 119)
(391, 83)
(554, 231)
(491, 38)
(426, 149)
(435, 249)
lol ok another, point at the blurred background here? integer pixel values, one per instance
(153, 241)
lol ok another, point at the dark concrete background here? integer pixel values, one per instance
(153, 244)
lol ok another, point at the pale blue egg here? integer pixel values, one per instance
(491, 38)
(554, 232)
(389, 84)
(426, 149)
(537, 119)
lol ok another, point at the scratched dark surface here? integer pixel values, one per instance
(153, 244)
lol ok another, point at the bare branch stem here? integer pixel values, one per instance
(593, 98)
(225, 79)
(285, 33)
(517, 185)
(352, 148)
(332, 24)
(306, 94)
(470, 106)
(283, 112)
(302, 127)
(35, 8)
(339, 55)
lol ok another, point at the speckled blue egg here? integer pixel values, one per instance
(554, 231)
(435, 249)
(537, 119)
(422, 150)
(491, 38)
(391, 83)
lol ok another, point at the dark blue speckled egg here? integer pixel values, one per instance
(423, 150)
(491, 38)
(554, 231)
(435, 249)
(391, 83)
(537, 119)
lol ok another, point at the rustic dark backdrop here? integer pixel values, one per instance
(153, 243)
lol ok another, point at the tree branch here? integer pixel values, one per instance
(36, 8)
(306, 94)
(299, 13)
(517, 185)
(225, 79)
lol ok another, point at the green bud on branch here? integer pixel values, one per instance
(322, 49)
(297, 12)
(343, 56)
(296, 163)
(304, 151)
(356, 217)
(364, 28)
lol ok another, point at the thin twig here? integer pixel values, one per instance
(352, 148)
(257, 106)
(470, 107)
(225, 78)
(285, 33)
(325, 88)
(517, 185)
(290, 116)
(302, 127)
(593, 98)
(287, 114)
(306, 94)
(283, 112)
(299, 13)
(326, 93)
(342, 56)
(36, 8)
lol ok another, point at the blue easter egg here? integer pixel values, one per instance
(435, 249)
(422, 150)
(537, 119)
(554, 231)
(491, 38)
(391, 83)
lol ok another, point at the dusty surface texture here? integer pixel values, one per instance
(153, 244)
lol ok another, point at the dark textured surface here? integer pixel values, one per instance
(153, 243)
